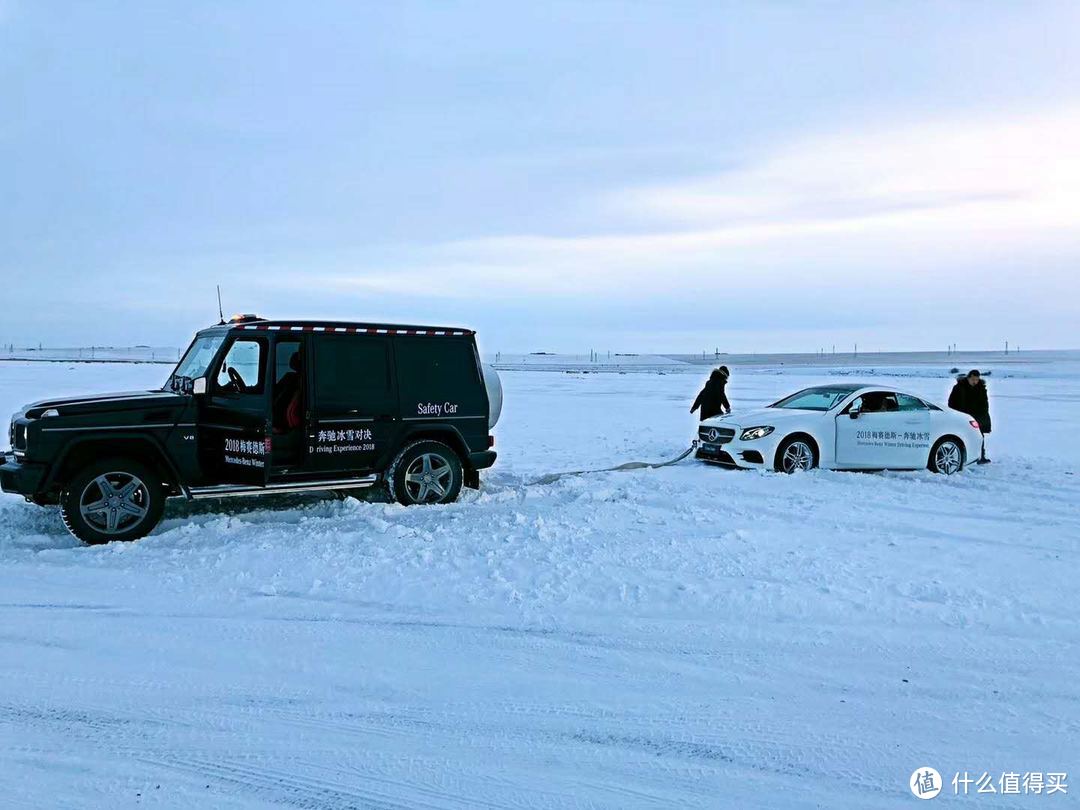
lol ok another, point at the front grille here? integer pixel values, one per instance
(714, 455)
(715, 435)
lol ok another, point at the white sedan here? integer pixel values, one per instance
(842, 427)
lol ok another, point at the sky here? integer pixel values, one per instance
(623, 176)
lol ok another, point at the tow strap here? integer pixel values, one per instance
(630, 465)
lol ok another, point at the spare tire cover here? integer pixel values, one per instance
(495, 395)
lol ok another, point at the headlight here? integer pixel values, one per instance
(752, 433)
(19, 436)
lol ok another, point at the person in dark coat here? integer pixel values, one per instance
(713, 399)
(969, 396)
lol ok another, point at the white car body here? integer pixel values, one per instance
(901, 438)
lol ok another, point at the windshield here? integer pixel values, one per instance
(196, 360)
(815, 399)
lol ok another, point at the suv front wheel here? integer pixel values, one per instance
(114, 499)
(426, 471)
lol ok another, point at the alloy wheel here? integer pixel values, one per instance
(947, 458)
(797, 456)
(428, 478)
(114, 502)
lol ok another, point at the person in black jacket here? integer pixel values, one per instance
(969, 396)
(713, 399)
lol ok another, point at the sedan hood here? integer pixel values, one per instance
(751, 418)
(99, 403)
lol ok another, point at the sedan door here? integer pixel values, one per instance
(916, 426)
(882, 430)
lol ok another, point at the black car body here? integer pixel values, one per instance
(258, 406)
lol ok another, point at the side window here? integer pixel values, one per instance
(875, 402)
(242, 367)
(439, 377)
(352, 376)
(286, 360)
(910, 403)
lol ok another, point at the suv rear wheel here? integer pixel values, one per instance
(426, 471)
(114, 499)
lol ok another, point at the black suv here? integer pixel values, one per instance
(258, 407)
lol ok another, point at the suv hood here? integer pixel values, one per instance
(100, 403)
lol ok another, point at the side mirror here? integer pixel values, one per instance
(854, 412)
(198, 386)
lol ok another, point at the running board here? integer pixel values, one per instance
(234, 490)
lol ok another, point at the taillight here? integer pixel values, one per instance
(491, 441)
(974, 424)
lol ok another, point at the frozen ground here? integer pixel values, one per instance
(683, 637)
(97, 354)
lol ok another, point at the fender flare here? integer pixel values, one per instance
(440, 431)
(794, 434)
(151, 441)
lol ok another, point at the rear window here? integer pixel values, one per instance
(910, 403)
(352, 376)
(439, 377)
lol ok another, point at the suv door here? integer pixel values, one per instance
(354, 416)
(234, 415)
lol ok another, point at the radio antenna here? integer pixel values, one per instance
(220, 313)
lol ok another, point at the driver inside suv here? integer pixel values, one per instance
(287, 404)
(288, 390)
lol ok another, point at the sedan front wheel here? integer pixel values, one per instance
(794, 454)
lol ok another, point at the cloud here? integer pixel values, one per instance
(935, 167)
(894, 203)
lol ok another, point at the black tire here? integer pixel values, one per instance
(443, 471)
(944, 463)
(117, 520)
(807, 459)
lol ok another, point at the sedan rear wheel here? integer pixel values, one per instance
(947, 457)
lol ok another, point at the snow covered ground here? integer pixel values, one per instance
(685, 637)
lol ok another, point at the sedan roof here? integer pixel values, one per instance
(850, 388)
